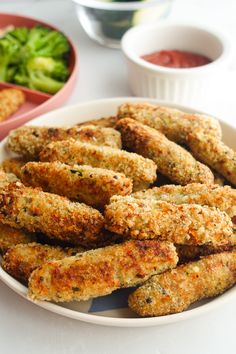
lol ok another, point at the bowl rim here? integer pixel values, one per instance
(71, 78)
(138, 30)
(126, 6)
(113, 321)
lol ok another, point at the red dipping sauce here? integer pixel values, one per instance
(176, 59)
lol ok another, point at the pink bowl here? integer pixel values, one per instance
(37, 102)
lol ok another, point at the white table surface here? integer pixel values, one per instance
(26, 328)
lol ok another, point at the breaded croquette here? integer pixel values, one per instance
(6, 178)
(172, 160)
(21, 260)
(13, 165)
(175, 290)
(142, 171)
(214, 153)
(188, 253)
(90, 185)
(107, 122)
(185, 224)
(28, 141)
(10, 236)
(213, 195)
(56, 216)
(173, 123)
(10, 101)
(99, 272)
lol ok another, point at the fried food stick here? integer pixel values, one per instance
(173, 123)
(21, 260)
(10, 236)
(185, 224)
(99, 272)
(93, 186)
(28, 141)
(10, 101)
(13, 165)
(175, 290)
(142, 171)
(171, 159)
(188, 253)
(57, 217)
(213, 195)
(214, 153)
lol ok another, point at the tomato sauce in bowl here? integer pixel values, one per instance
(176, 59)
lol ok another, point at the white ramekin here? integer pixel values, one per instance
(188, 85)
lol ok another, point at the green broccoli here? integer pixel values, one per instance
(46, 43)
(57, 69)
(42, 82)
(8, 54)
(45, 74)
(20, 33)
(35, 58)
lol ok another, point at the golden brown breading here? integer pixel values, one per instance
(6, 178)
(56, 216)
(99, 272)
(213, 195)
(107, 122)
(93, 186)
(10, 236)
(10, 101)
(171, 159)
(189, 224)
(175, 290)
(142, 171)
(173, 123)
(188, 253)
(13, 165)
(214, 153)
(21, 260)
(28, 141)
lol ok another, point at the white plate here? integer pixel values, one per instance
(121, 316)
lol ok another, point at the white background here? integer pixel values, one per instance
(25, 328)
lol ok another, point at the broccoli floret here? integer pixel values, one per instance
(20, 33)
(40, 81)
(46, 43)
(44, 74)
(57, 69)
(8, 55)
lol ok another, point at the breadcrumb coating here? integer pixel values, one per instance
(10, 101)
(10, 236)
(56, 216)
(189, 224)
(142, 171)
(174, 123)
(175, 290)
(188, 253)
(90, 185)
(99, 272)
(213, 195)
(21, 260)
(13, 165)
(214, 153)
(28, 141)
(172, 160)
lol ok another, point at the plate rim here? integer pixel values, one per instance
(21, 290)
